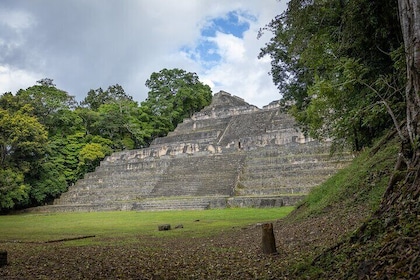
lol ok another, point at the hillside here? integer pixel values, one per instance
(348, 229)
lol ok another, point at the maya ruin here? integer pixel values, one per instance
(230, 154)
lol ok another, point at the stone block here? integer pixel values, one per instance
(164, 227)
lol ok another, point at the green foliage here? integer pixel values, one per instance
(77, 154)
(50, 182)
(22, 139)
(98, 97)
(13, 190)
(364, 181)
(91, 155)
(332, 61)
(116, 121)
(176, 94)
(66, 122)
(65, 154)
(132, 224)
(114, 115)
(47, 142)
(22, 146)
(46, 101)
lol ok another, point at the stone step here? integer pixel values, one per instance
(291, 173)
(292, 149)
(155, 204)
(203, 125)
(290, 159)
(212, 175)
(200, 137)
(278, 191)
(83, 197)
(264, 201)
(167, 204)
(173, 204)
(279, 182)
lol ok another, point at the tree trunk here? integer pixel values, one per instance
(409, 12)
(268, 241)
(3, 258)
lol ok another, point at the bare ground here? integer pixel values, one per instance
(235, 254)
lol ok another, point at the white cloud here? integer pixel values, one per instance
(96, 43)
(17, 20)
(231, 48)
(12, 80)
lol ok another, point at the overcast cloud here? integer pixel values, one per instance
(85, 45)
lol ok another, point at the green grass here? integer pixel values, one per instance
(363, 181)
(128, 224)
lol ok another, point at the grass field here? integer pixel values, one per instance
(55, 226)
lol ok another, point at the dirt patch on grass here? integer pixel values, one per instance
(234, 254)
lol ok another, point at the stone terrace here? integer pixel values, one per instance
(230, 154)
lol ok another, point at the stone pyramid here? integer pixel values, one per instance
(230, 154)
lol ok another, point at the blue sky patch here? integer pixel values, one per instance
(234, 22)
(206, 51)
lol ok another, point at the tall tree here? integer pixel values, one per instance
(23, 142)
(22, 139)
(325, 53)
(96, 98)
(112, 114)
(409, 12)
(176, 94)
(47, 101)
(370, 64)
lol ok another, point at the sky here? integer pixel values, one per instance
(85, 45)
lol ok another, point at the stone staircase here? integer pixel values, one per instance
(190, 176)
(231, 154)
(287, 169)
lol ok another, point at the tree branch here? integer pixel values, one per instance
(389, 110)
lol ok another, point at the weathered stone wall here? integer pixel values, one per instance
(231, 154)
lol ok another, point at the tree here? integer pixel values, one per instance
(23, 143)
(47, 183)
(409, 13)
(91, 155)
(113, 115)
(13, 190)
(47, 101)
(22, 140)
(89, 119)
(176, 94)
(98, 97)
(385, 74)
(115, 120)
(334, 63)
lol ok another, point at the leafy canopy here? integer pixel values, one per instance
(176, 94)
(336, 65)
(48, 141)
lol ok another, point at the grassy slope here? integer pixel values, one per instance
(361, 183)
(378, 245)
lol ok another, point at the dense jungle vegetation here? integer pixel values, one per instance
(48, 140)
(350, 71)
